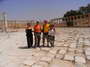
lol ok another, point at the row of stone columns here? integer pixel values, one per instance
(77, 20)
(70, 18)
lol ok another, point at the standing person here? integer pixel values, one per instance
(51, 35)
(45, 32)
(37, 34)
(29, 35)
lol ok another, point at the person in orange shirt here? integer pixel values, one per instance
(29, 35)
(37, 34)
(45, 32)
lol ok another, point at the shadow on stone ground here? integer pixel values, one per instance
(23, 47)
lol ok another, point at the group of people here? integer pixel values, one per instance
(47, 30)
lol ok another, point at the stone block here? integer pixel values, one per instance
(88, 57)
(53, 51)
(81, 39)
(11, 65)
(37, 49)
(40, 53)
(66, 45)
(80, 59)
(80, 45)
(79, 51)
(29, 62)
(46, 59)
(87, 48)
(63, 48)
(50, 55)
(69, 57)
(62, 51)
(44, 64)
(80, 65)
(37, 65)
(59, 56)
(71, 49)
(60, 44)
(45, 49)
(87, 42)
(60, 63)
(72, 45)
(87, 52)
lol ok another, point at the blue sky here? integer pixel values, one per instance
(39, 9)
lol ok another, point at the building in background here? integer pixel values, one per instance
(76, 21)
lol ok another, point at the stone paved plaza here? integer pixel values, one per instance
(72, 49)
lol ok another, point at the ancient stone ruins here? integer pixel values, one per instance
(72, 49)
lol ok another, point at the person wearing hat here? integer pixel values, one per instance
(45, 31)
(29, 35)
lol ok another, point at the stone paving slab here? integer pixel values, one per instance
(80, 59)
(69, 57)
(60, 63)
(72, 49)
(80, 65)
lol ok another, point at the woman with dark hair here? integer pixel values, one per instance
(29, 35)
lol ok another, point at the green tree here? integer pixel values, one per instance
(82, 10)
(72, 13)
(85, 9)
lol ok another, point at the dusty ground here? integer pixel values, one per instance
(72, 49)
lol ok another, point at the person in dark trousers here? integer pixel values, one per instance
(37, 34)
(29, 35)
(45, 32)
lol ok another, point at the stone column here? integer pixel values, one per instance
(5, 22)
(89, 19)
